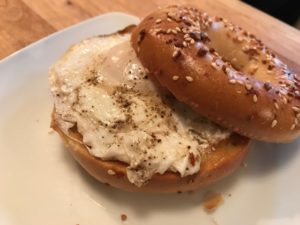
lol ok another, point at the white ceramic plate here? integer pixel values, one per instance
(41, 184)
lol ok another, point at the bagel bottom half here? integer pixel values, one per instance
(227, 156)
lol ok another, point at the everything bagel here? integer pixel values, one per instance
(221, 71)
(124, 130)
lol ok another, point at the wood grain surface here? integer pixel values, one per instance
(25, 21)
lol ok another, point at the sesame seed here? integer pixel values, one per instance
(248, 87)
(245, 48)
(189, 78)
(175, 78)
(176, 54)
(276, 105)
(158, 31)
(298, 115)
(293, 126)
(282, 85)
(178, 29)
(232, 81)
(296, 121)
(285, 100)
(184, 44)
(174, 31)
(192, 41)
(295, 108)
(169, 20)
(111, 172)
(254, 98)
(240, 82)
(214, 65)
(239, 39)
(274, 123)
(158, 21)
(253, 69)
(168, 31)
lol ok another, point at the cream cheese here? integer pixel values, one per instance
(122, 115)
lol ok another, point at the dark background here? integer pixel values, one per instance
(285, 10)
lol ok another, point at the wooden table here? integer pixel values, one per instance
(25, 21)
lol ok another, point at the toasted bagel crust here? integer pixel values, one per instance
(228, 155)
(220, 70)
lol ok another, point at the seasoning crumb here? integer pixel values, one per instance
(189, 78)
(244, 164)
(267, 86)
(212, 200)
(201, 52)
(123, 217)
(51, 131)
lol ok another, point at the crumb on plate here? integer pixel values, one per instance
(123, 217)
(212, 200)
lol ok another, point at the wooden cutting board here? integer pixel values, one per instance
(25, 21)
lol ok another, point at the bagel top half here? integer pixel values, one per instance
(221, 71)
